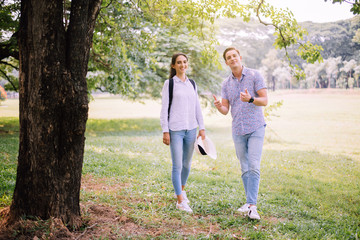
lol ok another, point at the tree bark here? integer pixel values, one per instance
(53, 108)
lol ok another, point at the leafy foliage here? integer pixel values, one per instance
(355, 9)
(132, 52)
(9, 54)
(9, 17)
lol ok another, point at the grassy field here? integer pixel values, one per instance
(310, 185)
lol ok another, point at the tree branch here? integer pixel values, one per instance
(6, 63)
(296, 71)
(9, 80)
(274, 25)
(107, 5)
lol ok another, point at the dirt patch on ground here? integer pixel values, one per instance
(100, 222)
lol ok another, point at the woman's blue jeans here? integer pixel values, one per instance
(182, 149)
(248, 150)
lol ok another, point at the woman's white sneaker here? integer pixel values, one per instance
(184, 207)
(183, 193)
(253, 214)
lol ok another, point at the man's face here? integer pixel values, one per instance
(233, 59)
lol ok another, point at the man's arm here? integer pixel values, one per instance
(223, 106)
(260, 100)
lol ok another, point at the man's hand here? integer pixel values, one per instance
(217, 102)
(245, 96)
(166, 138)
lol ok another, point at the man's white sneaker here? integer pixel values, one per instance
(253, 214)
(183, 193)
(244, 208)
(184, 206)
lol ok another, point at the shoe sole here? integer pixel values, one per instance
(254, 218)
(184, 210)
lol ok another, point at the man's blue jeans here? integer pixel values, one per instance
(248, 150)
(182, 149)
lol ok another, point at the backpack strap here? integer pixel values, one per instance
(193, 83)
(171, 89)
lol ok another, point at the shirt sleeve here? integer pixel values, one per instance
(259, 82)
(199, 116)
(164, 119)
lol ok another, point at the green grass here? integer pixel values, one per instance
(310, 183)
(9, 140)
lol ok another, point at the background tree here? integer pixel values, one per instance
(283, 77)
(349, 68)
(357, 75)
(271, 62)
(312, 74)
(332, 69)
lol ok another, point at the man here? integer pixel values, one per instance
(245, 92)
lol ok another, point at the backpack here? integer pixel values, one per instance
(171, 89)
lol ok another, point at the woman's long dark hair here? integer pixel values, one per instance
(173, 60)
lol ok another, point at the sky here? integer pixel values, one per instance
(315, 10)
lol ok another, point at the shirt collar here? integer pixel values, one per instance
(179, 80)
(243, 73)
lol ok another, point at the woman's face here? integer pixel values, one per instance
(181, 64)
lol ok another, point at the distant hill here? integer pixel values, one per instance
(254, 40)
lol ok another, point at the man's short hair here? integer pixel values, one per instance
(229, 49)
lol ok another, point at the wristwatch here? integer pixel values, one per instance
(251, 100)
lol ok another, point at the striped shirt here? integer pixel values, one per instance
(247, 117)
(185, 111)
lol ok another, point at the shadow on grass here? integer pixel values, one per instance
(9, 126)
(122, 126)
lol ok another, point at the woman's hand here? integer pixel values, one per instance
(202, 134)
(166, 138)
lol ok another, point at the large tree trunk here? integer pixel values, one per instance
(53, 108)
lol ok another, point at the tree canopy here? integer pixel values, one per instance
(133, 41)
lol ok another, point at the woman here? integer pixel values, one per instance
(179, 122)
